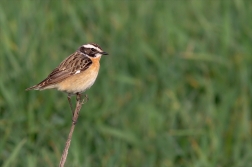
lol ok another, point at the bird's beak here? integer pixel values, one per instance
(104, 53)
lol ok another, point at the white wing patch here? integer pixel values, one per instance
(78, 71)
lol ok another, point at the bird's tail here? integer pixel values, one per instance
(35, 87)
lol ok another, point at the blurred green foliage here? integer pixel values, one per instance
(175, 91)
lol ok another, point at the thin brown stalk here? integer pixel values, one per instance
(79, 103)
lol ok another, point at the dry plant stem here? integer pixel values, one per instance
(74, 121)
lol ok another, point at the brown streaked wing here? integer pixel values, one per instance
(69, 66)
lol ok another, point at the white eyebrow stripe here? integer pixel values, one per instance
(92, 46)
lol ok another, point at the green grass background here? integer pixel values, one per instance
(174, 91)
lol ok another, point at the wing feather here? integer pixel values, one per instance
(69, 66)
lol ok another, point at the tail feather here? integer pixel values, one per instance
(35, 87)
(42, 86)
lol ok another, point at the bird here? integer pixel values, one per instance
(76, 73)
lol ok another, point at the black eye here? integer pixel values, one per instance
(93, 49)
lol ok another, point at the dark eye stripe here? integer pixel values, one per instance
(88, 51)
(82, 49)
(91, 54)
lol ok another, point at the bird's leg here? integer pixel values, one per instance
(79, 102)
(83, 100)
(70, 103)
(78, 97)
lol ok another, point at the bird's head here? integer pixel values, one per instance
(92, 50)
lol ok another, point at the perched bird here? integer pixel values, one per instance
(76, 73)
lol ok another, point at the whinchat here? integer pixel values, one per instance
(76, 73)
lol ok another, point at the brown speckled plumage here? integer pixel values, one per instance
(76, 73)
